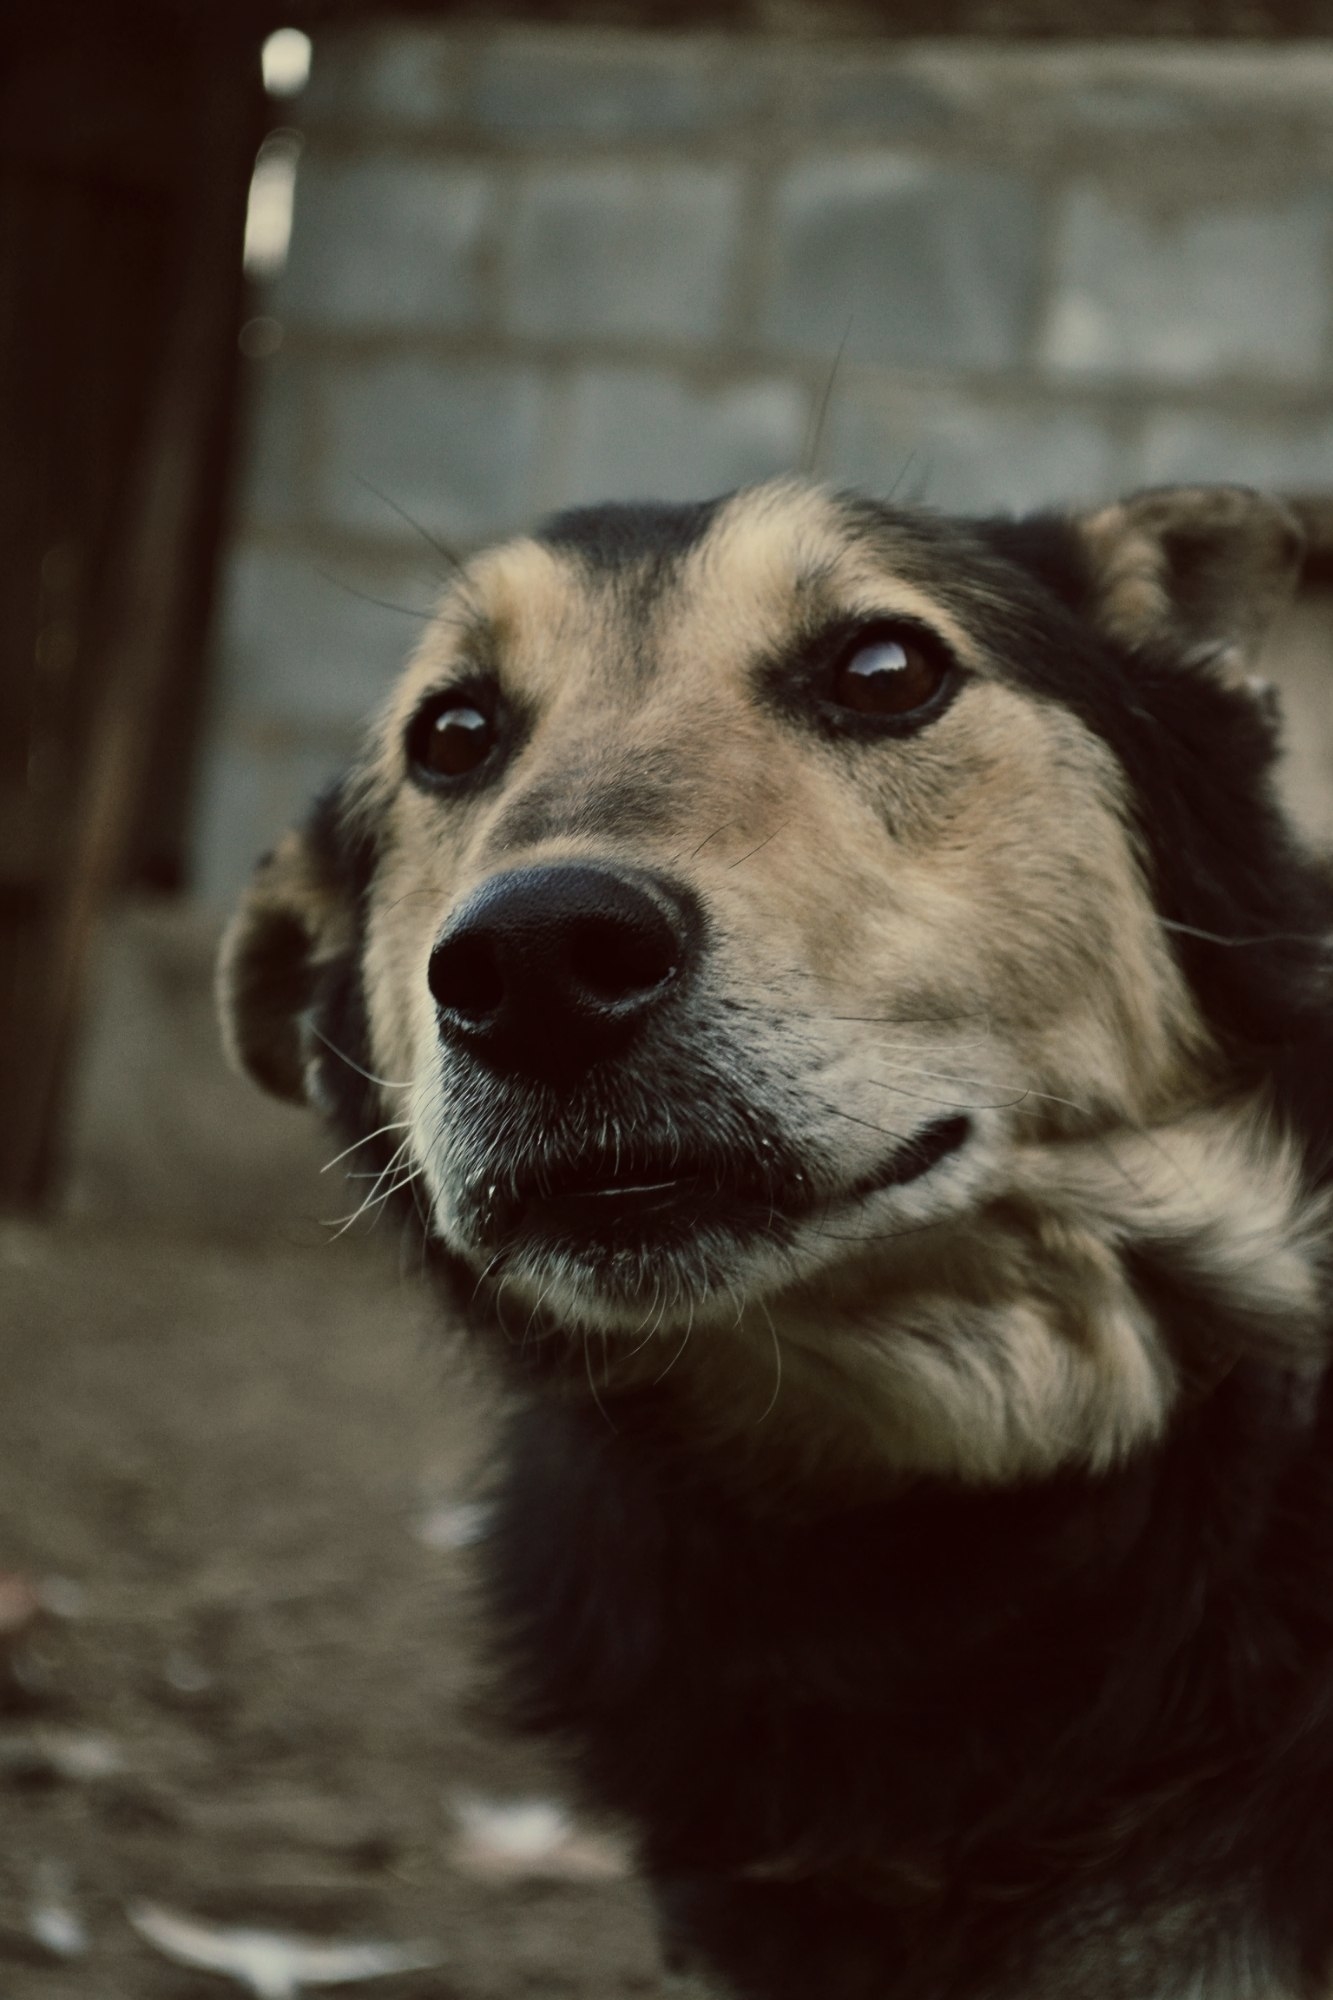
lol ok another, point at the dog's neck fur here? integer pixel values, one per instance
(1030, 1339)
(928, 1703)
(1057, 1628)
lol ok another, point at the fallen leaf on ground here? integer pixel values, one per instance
(62, 1597)
(453, 1524)
(505, 1840)
(77, 1755)
(21, 1610)
(20, 1605)
(273, 1965)
(52, 1918)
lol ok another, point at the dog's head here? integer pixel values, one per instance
(817, 940)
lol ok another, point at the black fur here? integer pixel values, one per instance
(881, 1752)
(948, 1715)
(335, 1017)
(651, 534)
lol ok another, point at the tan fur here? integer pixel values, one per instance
(959, 917)
(1005, 813)
(1206, 566)
(1017, 1343)
(1132, 597)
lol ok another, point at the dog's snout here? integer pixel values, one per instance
(548, 970)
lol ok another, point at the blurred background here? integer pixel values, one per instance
(291, 298)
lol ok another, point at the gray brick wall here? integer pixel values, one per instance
(535, 267)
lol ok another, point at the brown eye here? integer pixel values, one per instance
(449, 737)
(891, 674)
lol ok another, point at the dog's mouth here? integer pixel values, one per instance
(651, 1199)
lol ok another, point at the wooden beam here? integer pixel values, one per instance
(65, 842)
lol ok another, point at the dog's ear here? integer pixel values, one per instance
(1201, 569)
(297, 914)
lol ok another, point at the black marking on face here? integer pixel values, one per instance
(609, 539)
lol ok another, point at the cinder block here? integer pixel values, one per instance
(399, 77)
(911, 262)
(641, 434)
(1138, 107)
(1191, 291)
(839, 92)
(1274, 452)
(386, 243)
(612, 251)
(308, 640)
(952, 452)
(528, 88)
(458, 445)
(249, 793)
(276, 442)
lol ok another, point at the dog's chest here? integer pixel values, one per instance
(1188, 1948)
(1107, 1948)
(840, 1790)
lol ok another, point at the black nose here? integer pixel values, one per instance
(545, 971)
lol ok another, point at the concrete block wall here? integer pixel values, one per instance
(535, 267)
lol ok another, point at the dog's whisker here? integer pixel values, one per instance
(884, 1235)
(643, 1330)
(396, 1125)
(368, 597)
(385, 1083)
(454, 566)
(423, 1217)
(498, 1304)
(373, 1201)
(391, 1163)
(983, 1083)
(587, 1368)
(810, 455)
(759, 848)
(493, 1265)
(1268, 938)
(685, 1341)
(947, 1103)
(870, 1124)
(710, 837)
(379, 1194)
(771, 1404)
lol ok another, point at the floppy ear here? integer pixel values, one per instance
(297, 914)
(1204, 569)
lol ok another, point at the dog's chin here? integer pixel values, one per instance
(642, 1245)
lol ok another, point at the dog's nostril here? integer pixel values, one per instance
(465, 977)
(612, 961)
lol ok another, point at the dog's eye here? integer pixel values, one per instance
(449, 737)
(894, 673)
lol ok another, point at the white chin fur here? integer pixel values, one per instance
(714, 1275)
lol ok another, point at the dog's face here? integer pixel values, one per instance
(757, 935)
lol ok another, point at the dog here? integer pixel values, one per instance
(837, 992)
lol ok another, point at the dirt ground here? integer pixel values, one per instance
(231, 1465)
(225, 1468)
